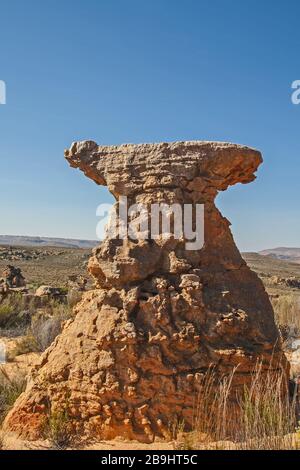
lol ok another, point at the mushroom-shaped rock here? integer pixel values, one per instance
(131, 360)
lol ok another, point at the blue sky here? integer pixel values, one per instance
(120, 71)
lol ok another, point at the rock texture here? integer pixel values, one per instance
(132, 360)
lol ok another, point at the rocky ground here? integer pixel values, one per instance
(46, 265)
(272, 270)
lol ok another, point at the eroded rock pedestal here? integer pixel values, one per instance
(131, 361)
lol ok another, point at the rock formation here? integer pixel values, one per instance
(291, 282)
(131, 361)
(13, 277)
(49, 292)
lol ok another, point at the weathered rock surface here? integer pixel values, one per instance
(131, 361)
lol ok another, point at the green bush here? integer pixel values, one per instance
(6, 314)
(10, 390)
(287, 310)
(14, 311)
(57, 430)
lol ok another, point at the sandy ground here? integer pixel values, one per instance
(11, 442)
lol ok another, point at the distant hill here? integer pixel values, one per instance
(285, 254)
(14, 240)
(271, 266)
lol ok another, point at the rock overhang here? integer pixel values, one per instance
(129, 168)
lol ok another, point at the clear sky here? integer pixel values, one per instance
(119, 71)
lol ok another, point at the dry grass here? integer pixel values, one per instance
(287, 311)
(57, 430)
(46, 326)
(41, 333)
(262, 416)
(2, 441)
(14, 311)
(10, 390)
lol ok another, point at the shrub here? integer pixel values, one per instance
(262, 416)
(74, 296)
(6, 313)
(57, 430)
(1, 442)
(46, 326)
(10, 390)
(45, 330)
(287, 310)
(267, 414)
(15, 311)
(64, 290)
